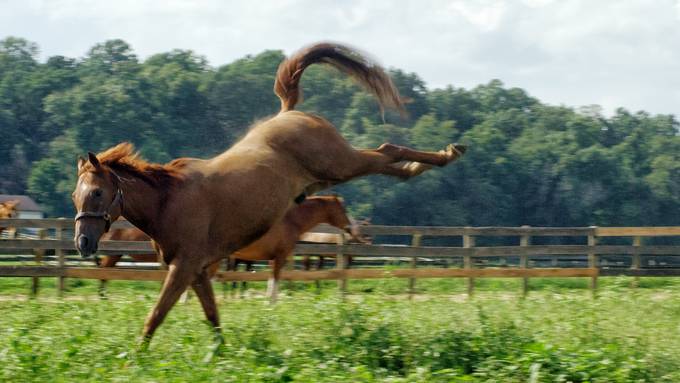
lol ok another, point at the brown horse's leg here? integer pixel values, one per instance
(273, 283)
(319, 266)
(344, 164)
(232, 265)
(204, 290)
(405, 162)
(179, 277)
(106, 261)
(402, 153)
(249, 268)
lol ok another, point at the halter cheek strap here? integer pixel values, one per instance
(105, 215)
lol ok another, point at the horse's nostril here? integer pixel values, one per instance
(82, 242)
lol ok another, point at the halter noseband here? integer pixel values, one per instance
(105, 215)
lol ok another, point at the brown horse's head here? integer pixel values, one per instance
(98, 201)
(337, 216)
(8, 209)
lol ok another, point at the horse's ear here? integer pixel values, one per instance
(12, 204)
(93, 160)
(81, 162)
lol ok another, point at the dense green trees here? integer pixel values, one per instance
(528, 163)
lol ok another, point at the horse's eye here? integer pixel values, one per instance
(97, 193)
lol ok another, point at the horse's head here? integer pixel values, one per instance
(8, 209)
(337, 216)
(355, 231)
(98, 201)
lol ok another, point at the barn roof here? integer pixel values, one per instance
(26, 203)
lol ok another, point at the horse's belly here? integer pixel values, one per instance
(244, 192)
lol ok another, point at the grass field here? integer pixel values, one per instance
(557, 334)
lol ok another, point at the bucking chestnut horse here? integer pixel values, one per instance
(237, 196)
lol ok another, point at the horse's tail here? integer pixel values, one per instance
(348, 60)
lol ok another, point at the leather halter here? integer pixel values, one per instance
(105, 215)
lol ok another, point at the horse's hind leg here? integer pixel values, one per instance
(273, 284)
(344, 164)
(179, 277)
(440, 158)
(403, 162)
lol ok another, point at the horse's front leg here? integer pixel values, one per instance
(204, 290)
(180, 275)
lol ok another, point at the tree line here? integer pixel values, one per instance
(528, 163)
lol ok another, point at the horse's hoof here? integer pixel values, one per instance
(459, 148)
(215, 350)
(454, 151)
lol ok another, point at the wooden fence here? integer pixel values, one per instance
(524, 254)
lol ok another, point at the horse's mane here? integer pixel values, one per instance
(123, 158)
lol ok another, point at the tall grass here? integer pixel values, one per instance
(555, 335)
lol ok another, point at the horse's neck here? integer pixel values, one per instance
(142, 204)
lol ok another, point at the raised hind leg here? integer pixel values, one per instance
(406, 163)
(180, 276)
(401, 153)
(344, 164)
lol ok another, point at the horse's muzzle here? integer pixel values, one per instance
(85, 246)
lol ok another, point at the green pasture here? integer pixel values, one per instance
(559, 333)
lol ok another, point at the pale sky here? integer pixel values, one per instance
(571, 52)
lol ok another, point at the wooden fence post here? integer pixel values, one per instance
(637, 242)
(341, 265)
(592, 260)
(35, 286)
(415, 242)
(58, 234)
(524, 240)
(469, 242)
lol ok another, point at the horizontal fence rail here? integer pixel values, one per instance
(513, 261)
